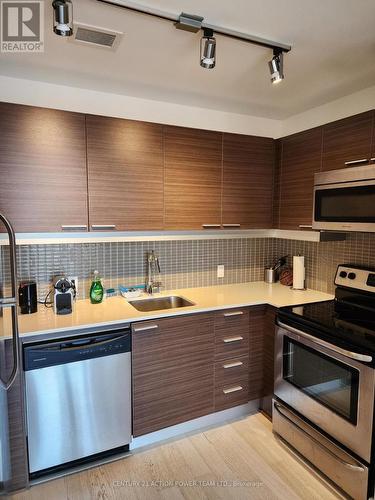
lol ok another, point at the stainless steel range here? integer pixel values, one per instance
(325, 381)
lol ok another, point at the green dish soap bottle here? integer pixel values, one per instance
(96, 290)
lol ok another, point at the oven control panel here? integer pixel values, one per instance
(358, 278)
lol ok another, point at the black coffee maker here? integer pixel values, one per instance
(28, 297)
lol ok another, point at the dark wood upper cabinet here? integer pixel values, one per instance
(193, 168)
(276, 184)
(125, 174)
(248, 168)
(301, 158)
(173, 371)
(347, 140)
(43, 183)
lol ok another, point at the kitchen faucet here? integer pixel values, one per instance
(153, 266)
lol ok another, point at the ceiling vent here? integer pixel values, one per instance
(95, 36)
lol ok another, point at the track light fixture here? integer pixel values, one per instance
(208, 49)
(63, 17)
(276, 66)
(194, 23)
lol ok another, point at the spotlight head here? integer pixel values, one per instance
(62, 17)
(208, 49)
(276, 66)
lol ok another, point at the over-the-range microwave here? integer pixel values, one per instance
(344, 200)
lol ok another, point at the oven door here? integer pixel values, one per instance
(329, 388)
(346, 206)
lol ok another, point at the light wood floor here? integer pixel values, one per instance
(245, 450)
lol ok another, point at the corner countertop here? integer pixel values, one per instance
(117, 311)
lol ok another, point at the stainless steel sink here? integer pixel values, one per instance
(158, 303)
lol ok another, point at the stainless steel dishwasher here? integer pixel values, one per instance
(78, 399)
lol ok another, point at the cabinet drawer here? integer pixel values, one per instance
(231, 319)
(231, 333)
(231, 394)
(230, 371)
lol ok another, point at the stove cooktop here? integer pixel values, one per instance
(348, 321)
(337, 323)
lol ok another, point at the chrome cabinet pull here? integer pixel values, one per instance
(145, 328)
(305, 226)
(318, 443)
(235, 313)
(233, 364)
(97, 227)
(231, 225)
(211, 226)
(74, 227)
(372, 159)
(314, 340)
(228, 340)
(355, 162)
(233, 389)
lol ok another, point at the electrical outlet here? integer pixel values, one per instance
(220, 271)
(74, 280)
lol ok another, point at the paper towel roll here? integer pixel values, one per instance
(298, 272)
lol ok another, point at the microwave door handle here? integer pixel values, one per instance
(12, 303)
(317, 442)
(349, 354)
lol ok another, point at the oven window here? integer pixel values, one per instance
(330, 382)
(351, 204)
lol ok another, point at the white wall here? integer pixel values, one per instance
(89, 101)
(100, 103)
(334, 110)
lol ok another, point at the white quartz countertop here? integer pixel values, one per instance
(117, 311)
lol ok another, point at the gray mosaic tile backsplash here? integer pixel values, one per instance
(186, 263)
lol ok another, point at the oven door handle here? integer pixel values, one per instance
(349, 354)
(317, 442)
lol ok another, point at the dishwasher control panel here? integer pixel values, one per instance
(71, 350)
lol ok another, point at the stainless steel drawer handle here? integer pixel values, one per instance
(228, 340)
(355, 162)
(318, 443)
(104, 227)
(314, 340)
(231, 225)
(235, 313)
(305, 226)
(372, 159)
(74, 227)
(233, 364)
(233, 389)
(211, 226)
(145, 328)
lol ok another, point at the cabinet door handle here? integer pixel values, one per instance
(231, 225)
(144, 328)
(356, 162)
(235, 313)
(234, 364)
(305, 226)
(74, 227)
(103, 227)
(372, 159)
(211, 226)
(228, 340)
(236, 388)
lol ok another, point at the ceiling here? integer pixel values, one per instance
(333, 48)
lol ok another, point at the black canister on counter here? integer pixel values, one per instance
(27, 297)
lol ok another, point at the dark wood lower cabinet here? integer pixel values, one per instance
(231, 358)
(14, 402)
(256, 383)
(268, 359)
(189, 366)
(173, 371)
